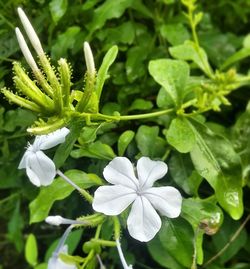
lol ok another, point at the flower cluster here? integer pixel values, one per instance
(129, 188)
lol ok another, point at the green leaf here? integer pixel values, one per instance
(180, 135)
(102, 74)
(63, 151)
(18, 118)
(204, 214)
(15, 226)
(58, 9)
(240, 137)
(182, 171)
(97, 150)
(124, 140)
(215, 159)
(108, 10)
(31, 252)
(176, 236)
(236, 57)
(135, 67)
(124, 33)
(189, 51)
(59, 190)
(140, 104)
(160, 254)
(146, 137)
(164, 99)
(41, 266)
(72, 242)
(223, 237)
(175, 33)
(172, 75)
(65, 41)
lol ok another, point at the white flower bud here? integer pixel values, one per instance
(55, 220)
(89, 59)
(30, 32)
(25, 50)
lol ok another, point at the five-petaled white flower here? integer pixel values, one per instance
(40, 168)
(56, 263)
(143, 221)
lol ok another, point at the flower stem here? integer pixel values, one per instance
(86, 195)
(62, 240)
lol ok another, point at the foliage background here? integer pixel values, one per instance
(143, 30)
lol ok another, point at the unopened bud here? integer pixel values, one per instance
(89, 59)
(25, 50)
(30, 32)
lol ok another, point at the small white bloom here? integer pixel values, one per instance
(123, 261)
(56, 263)
(143, 221)
(40, 168)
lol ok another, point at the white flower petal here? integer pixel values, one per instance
(149, 171)
(40, 169)
(167, 200)
(23, 161)
(48, 141)
(121, 171)
(112, 200)
(143, 221)
(56, 263)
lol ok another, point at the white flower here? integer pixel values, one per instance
(56, 263)
(123, 261)
(143, 221)
(40, 168)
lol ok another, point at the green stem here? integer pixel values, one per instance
(131, 117)
(105, 243)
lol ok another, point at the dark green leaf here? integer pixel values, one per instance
(176, 236)
(175, 33)
(95, 150)
(215, 159)
(223, 237)
(58, 190)
(160, 254)
(108, 10)
(146, 137)
(181, 170)
(124, 140)
(15, 226)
